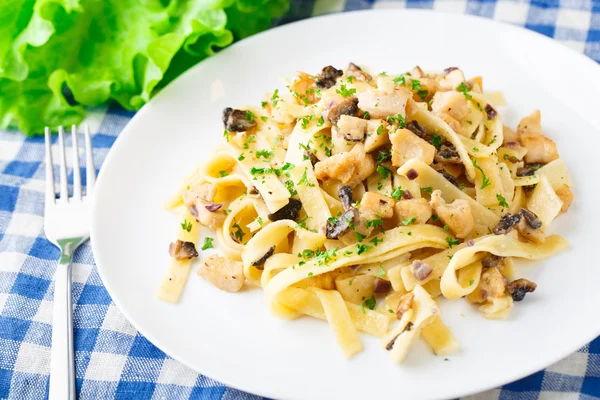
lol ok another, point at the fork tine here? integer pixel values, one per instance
(50, 194)
(76, 172)
(90, 170)
(64, 187)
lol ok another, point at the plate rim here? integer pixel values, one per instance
(124, 136)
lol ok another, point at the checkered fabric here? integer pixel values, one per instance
(112, 359)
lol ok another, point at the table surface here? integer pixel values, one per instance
(103, 337)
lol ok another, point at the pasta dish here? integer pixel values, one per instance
(364, 199)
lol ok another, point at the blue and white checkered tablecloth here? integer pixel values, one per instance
(112, 359)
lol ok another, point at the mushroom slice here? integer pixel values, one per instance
(290, 211)
(238, 120)
(506, 224)
(181, 250)
(328, 76)
(520, 287)
(261, 261)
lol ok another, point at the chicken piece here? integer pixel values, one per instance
(540, 148)
(450, 104)
(352, 129)
(428, 88)
(205, 191)
(304, 86)
(223, 273)
(413, 208)
(357, 72)
(417, 72)
(377, 135)
(565, 194)
(510, 136)
(406, 145)
(382, 105)
(456, 215)
(376, 206)
(491, 285)
(451, 80)
(349, 167)
(212, 219)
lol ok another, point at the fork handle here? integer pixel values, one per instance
(62, 363)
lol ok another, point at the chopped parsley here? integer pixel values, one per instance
(501, 201)
(464, 89)
(423, 94)
(251, 139)
(259, 220)
(287, 166)
(348, 253)
(436, 141)
(451, 242)
(289, 185)
(471, 282)
(371, 302)
(374, 223)
(208, 243)
(376, 241)
(397, 193)
(263, 104)
(361, 248)
(400, 80)
(416, 84)
(380, 130)
(427, 189)
(304, 179)
(241, 157)
(226, 135)
(381, 271)
(461, 186)
(305, 120)
(359, 237)
(266, 154)
(275, 97)
(350, 78)
(408, 221)
(383, 156)
(186, 226)
(223, 173)
(384, 172)
(250, 117)
(397, 118)
(362, 308)
(475, 149)
(345, 91)
(379, 185)
(310, 274)
(257, 171)
(366, 115)
(320, 121)
(485, 181)
(265, 119)
(239, 233)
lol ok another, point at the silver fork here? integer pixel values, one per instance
(67, 225)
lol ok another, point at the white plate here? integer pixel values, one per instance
(232, 337)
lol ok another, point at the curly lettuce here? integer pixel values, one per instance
(59, 56)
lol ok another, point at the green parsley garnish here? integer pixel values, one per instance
(397, 118)
(451, 242)
(371, 302)
(274, 97)
(485, 181)
(380, 130)
(320, 121)
(345, 91)
(397, 193)
(257, 171)
(350, 78)
(416, 84)
(226, 135)
(348, 253)
(408, 221)
(250, 117)
(376, 241)
(501, 201)
(289, 185)
(427, 189)
(239, 233)
(287, 166)
(310, 274)
(186, 226)
(259, 220)
(374, 223)
(265, 119)
(305, 120)
(384, 172)
(471, 282)
(361, 248)
(381, 271)
(383, 156)
(266, 154)
(208, 243)
(223, 173)
(241, 157)
(436, 141)
(359, 237)
(463, 88)
(304, 179)
(400, 80)
(423, 94)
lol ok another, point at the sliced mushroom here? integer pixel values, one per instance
(181, 250)
(212, 207)
(390, 345)
(420, 269)
(491, 260)
(345, 194)
(347, 107)
(525, 171)
(237, 120)
(333, 229)
(309, 155)
(447, 154)
(506, 224)
(357, 72)
(520, 287)
(405, 304)
(382, 286)
(261, 261)
(450, 178)
(290, 211)
(531, 218)
(417, 129)
(328, 76)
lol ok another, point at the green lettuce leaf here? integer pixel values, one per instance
(57, 56)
